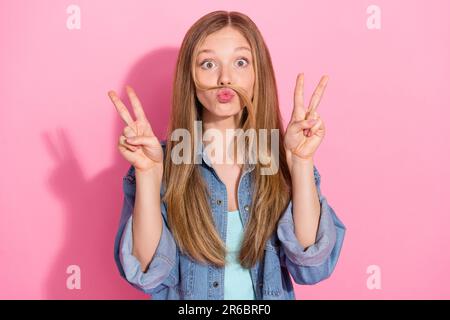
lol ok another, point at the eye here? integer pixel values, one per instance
(206, 64)
(242, 62)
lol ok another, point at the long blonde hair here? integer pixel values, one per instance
(189, 214)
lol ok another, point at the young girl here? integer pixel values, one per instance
(201, 229)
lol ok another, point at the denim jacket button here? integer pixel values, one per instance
(219, 202)
(246, 207)
(215, 284)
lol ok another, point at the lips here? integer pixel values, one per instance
(225, 95)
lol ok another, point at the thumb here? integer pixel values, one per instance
(141, 140)
(304, 124)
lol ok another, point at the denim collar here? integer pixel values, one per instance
(202, 154)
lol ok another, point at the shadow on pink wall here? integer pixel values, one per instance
(93, 207)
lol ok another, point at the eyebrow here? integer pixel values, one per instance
(212, 51)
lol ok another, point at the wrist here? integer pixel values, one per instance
(155, 172)
(301, 163)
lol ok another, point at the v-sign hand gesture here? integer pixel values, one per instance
(306, 130)
(137, 144)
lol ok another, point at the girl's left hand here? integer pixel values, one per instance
(306, 129)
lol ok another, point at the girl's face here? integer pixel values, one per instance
(224, 58)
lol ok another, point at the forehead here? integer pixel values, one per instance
(224, 40)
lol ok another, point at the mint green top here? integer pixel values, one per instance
(238, 282)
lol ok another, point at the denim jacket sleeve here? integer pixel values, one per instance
(316, 262)
(163, 269)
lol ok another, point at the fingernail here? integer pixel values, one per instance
(312, 121)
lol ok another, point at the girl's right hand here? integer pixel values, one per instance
(137, 143)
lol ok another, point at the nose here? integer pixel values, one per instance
(224, 78)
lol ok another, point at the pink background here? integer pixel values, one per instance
(384, 160)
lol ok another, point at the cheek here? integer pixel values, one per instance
(249, 85)
(208, 78)
(205, 98)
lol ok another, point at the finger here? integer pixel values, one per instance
(140, 140)
(312, 115)
(309, 116)
(124, 150)
(126, 145)
(315, 128)
(298, 113)
(317, 95)
(120, 107)
(129, 132)
(137, 107)
(302, 124)
(123, 144)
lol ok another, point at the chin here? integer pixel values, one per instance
(226, 110)
(226, 107)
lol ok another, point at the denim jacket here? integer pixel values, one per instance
(173, 275)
